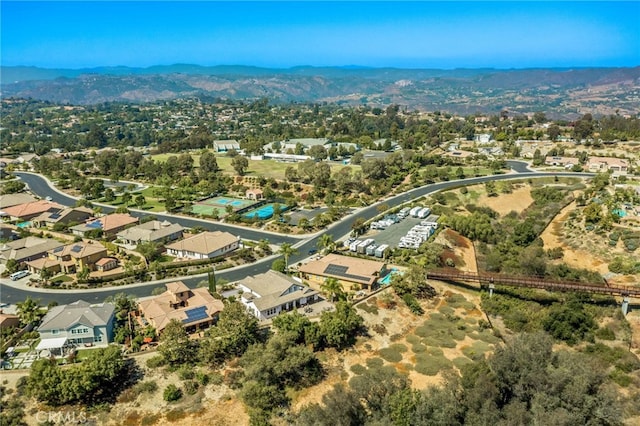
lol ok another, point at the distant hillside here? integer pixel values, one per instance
(559, 92)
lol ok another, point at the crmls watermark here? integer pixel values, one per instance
(62, 417)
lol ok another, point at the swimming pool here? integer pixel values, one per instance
(24, 225)
(386, 280)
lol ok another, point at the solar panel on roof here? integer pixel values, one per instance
(58, 249)
(195, 314)
(55, 216)
(76, 249)
(336, 269)
(341, 271)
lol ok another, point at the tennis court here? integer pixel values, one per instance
(236, 203)
(264, 212)
(205, 210)
(212, 205)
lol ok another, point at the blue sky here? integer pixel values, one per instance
(283, 34)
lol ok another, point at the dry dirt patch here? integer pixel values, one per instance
(462, 248)
(583, 250)
(517, 201)
(396, 327)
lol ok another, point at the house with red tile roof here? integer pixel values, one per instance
(194, 308)
(28, 211)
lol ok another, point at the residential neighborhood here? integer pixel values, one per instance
(346, 260)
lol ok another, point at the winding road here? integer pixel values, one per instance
(42, 187)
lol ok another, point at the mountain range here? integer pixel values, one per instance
(561, 93)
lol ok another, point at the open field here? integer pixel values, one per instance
(449, 335)
(265, 168)
(517, 201)
(585, 250)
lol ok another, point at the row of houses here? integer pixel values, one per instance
(265, 295)
(618, 166)
(38, 254)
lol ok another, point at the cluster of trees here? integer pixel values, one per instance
(98, 378)
(30, 125)
(268, 365)
(236, 330)
(11, 187)
(411, 286)
(524, 382)
(511, 244)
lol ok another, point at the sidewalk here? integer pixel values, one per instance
(21, 285)
(178, 216)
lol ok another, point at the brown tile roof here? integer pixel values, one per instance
(159, 313)
(9, 320)
(43, 263)
(205, 242)
(9, 200)
(116, 220)
(81, 249)
(345, 268)
(106, 260)
(609, 161)
(61, 214)
(177, 287)
(108, 222)
(33, 208)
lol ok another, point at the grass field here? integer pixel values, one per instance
(265, 168)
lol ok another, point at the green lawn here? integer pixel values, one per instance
(61, 279)
(266, 168)
(152, 204)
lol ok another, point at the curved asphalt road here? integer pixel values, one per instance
(40, 186)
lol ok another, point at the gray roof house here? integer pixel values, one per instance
(27, 249)
(76, 324)
(152, 231)
(268, 294)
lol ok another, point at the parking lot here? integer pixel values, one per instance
(296, 215)
(395, 232)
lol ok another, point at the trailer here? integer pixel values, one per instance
(371, 249)
(414, 211)
(380, 250)
(424, 212)
(354, 245)
(362, 247)
(404, 212)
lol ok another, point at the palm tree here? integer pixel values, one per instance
(333, 289)
(287, 250)
(29, 311)
(326, 242)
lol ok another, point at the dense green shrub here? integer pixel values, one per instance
(172, 393)
(412, 303)
(569, 322)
